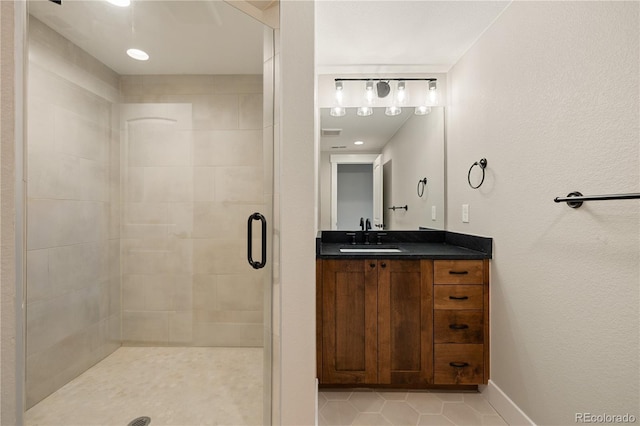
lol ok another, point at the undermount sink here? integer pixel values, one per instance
(371, 250)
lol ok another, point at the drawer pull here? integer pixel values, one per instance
(458, 326)
(458, 272)
(458, 297)
(459, 364)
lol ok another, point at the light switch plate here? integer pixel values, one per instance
(433, 212)
(465, 213)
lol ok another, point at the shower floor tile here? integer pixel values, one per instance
(172, 386)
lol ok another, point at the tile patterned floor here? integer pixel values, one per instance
(172, 386)
(369, 407)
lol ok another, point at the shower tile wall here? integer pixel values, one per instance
(192, 163)
(73, 265)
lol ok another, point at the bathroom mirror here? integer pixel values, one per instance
(411, 148)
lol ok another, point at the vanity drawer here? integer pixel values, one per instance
(457, 326)
(458, 364)
(457, 297)
(458, 272)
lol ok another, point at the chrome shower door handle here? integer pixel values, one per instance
(263, 261)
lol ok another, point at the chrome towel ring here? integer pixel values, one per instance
(482, 164)
(422, 183)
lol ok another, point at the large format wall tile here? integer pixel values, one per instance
(73, 197)
(193, 172)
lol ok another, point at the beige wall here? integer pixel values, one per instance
(416, 151)
(73, 263)
(298, 219)
(10, 341)
(549, 95)
(193, 164)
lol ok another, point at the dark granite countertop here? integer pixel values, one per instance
(421, 244)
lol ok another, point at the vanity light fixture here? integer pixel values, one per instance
(381, 88)
(138, 54)
(120, 3)
(338, 111)
(364, 111)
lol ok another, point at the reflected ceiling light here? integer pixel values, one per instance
(401, 93)
(358, 143)
(392, 110)
(364, 111)
(120, 3)
(138, 54)
(338, 111)
(422, 110)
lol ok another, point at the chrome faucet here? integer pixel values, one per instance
(362, 223)
(368, 225)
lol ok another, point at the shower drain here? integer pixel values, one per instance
(140, 421)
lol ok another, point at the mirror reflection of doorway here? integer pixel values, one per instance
(355, 195)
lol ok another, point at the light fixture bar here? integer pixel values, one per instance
(384, 79)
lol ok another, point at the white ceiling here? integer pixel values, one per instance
(181, 37)
(399, 32)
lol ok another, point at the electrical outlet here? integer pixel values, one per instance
(465, 213)
(433, 212)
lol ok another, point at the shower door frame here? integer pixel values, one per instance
(15, 408)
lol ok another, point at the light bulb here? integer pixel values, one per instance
(364, 111)
(338, 111)
(358, 143)
(392, 110)
(339, 92)
(369, 93)
(433, 93)
(401, 93)
(422, 110)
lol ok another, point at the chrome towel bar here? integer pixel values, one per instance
(575, 199)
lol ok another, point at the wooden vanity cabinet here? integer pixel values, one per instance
(412, 323)
(376, 322)
(461, 322)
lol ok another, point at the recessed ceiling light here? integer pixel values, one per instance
(120, 3)
(358, 143)
(138, 54)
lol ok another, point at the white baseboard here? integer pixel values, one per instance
(508, 410)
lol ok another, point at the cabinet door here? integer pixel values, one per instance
(405, 321)
(349, 301)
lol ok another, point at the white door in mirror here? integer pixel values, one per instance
(378, 209)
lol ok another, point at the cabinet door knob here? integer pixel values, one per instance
(459, 364)
(384, 265)
(373, 265)
(458, 326)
